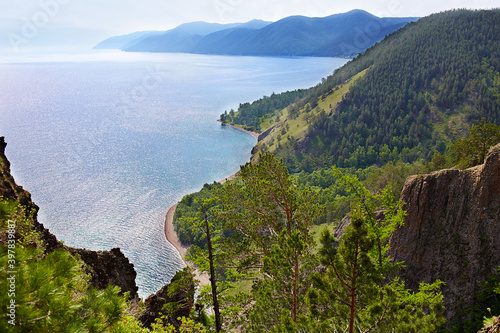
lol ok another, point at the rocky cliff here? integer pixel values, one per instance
(452, 230)
(105, 267)
(174, 300)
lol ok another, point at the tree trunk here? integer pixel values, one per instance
(353, 290)
(218, 325)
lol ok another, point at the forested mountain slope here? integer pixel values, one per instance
(405, 98)
(395, 111)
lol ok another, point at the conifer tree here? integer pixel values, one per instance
(269, 221)
(473, 149)
(359, 290)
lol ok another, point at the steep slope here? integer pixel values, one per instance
(339, 35)
(413, 93)
(452, 231)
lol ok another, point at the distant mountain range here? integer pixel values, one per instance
(339, 35)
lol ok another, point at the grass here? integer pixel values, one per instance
(297, 128)
(316, 231)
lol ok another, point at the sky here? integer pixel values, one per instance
(26, 24)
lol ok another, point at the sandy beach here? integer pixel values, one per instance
(174, 240)
(171, 235)
(254, 134)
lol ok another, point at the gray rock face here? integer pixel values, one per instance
(452, 230)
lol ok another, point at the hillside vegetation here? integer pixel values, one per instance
(423, 99)
(405, 98)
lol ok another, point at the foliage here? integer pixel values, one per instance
(187, 212)
(279, 298)
(181, 284)
(251, 115)
(418, 81)
(334, 194)
(418, 77)
(359, 289)
(266, 202)
(188, 325)
(267, 219)
(51, 292)
(211, 259)
(487, 305)
(472, 150)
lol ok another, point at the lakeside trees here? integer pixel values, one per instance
(270, 220)
(266, 221)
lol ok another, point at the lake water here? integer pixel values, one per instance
(107, 142)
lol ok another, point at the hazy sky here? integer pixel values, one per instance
(87, 22)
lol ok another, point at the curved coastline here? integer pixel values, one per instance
(170, 233)
(173, 239)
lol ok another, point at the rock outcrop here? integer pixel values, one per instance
(452, 230)
(179, 293)
(105, 267)
(109, 267)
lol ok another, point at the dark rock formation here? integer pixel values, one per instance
(10, 190)
(452, 230)
(109, 267)
(179, 292)
(105, 267)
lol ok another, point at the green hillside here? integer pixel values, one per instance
(405, 98)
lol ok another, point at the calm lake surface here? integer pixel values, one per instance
(107, 142)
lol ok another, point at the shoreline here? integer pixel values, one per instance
(169, 229)
(173, 239)
(254, 134)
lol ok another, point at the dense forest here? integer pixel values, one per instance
(249, 114)
(423, 99)
(422, 87)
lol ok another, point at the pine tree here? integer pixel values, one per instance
(359, 290)
(269, 220)
(473, 149)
